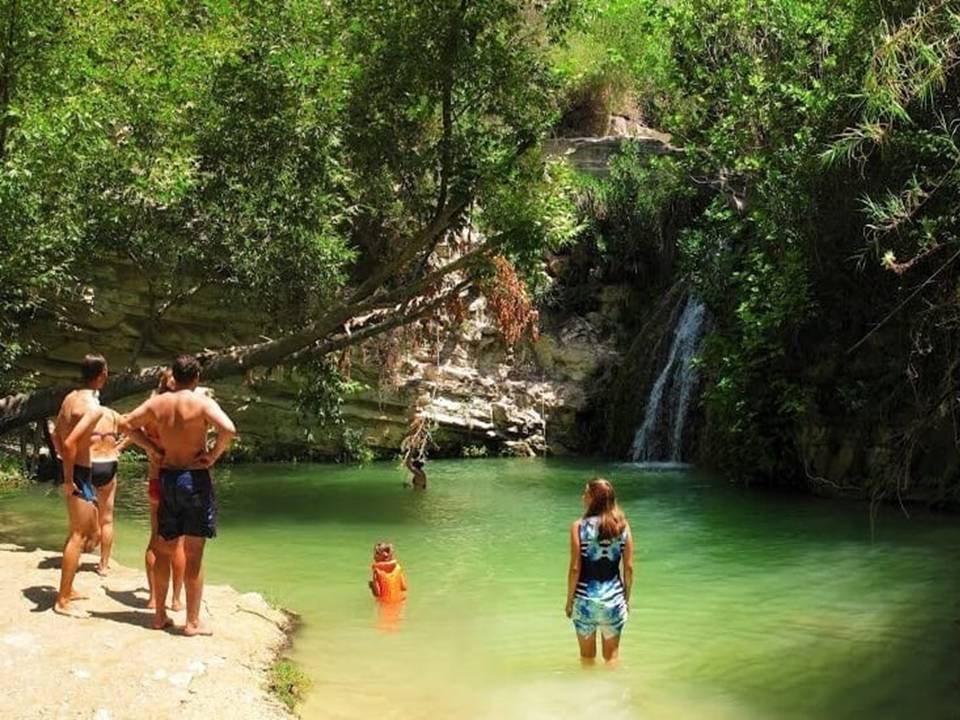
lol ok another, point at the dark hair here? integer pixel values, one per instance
(91, 367)
(186, 369)
(382, 548)
(603, 504)
(418, 464)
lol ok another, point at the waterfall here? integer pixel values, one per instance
(660, 436)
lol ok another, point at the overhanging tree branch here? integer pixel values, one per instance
(419, 286)
(20, 409)
(394, 321)
(410, 250)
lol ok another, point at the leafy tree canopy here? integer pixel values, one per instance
(304, 156)
(817, 191)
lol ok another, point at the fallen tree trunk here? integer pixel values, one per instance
(320, 338)
(22, 408)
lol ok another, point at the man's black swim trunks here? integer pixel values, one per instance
(187, 504)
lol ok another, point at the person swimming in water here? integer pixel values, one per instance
(389, 583)
(419, 479)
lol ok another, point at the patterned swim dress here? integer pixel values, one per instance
(599, 602)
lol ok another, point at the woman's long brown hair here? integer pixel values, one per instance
(603, 504)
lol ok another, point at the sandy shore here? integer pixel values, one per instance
(112, 665)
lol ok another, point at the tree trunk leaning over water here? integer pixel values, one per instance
(369, 311)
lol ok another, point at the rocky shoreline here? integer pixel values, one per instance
(112, 665)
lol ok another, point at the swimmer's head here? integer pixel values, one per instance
(383, 551)
(599, 497)
(418, 464)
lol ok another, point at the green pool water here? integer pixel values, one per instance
(747, 604)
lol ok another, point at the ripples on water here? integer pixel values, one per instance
(746, 604)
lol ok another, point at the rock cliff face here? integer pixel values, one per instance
(590, 135)
(592, 155)
(475, 392)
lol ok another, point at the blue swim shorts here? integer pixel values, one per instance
(607, 616)
(82, 487)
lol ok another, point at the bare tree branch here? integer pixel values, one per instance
(395, 320)
(903, 267)
(903, 304)
(408, 291)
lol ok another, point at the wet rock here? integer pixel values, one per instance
(592, 155)
(520, 448)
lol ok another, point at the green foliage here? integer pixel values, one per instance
(354, 448)
(445, 97)
(11, 473)
(612, 63)
(819, 134)
(273, 151)
(532, 211)
(288, 682)
(631, 214)
(905, 132)
(909, 112)
(474, 451)
(322, 391)
(750, 91)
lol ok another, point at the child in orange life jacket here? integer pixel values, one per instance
(389, 584)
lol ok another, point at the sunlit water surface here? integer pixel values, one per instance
(746, 604)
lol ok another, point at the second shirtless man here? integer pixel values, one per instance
(187, 504)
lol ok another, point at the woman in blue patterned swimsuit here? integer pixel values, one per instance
(598, 596)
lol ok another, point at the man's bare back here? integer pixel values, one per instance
(180, 420)
(187, 508)
(78, 415)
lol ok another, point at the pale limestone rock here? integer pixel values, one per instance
(456, 386)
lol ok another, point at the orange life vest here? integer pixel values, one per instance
(390, 581)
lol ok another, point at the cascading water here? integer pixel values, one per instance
(660, 436)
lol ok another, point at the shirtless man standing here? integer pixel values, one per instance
(187, 505)
(79, 414)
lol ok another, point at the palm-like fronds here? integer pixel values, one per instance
(911, 64)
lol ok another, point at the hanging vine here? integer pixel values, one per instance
(507, 297)
(418, 439)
